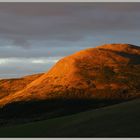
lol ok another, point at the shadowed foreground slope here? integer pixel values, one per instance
(121, 120)
(25, 112)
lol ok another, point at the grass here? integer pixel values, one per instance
(120, 120)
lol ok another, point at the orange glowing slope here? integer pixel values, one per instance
(109, 71)
(10, 86)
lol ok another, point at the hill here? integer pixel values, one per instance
(110, 71)
(121, 120)
(10, 86)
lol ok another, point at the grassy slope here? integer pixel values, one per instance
(121, 120)
(10, 86)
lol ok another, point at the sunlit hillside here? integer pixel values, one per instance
(110, 71)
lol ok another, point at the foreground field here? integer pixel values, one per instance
(121, 120)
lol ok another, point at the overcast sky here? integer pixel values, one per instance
(34, 36)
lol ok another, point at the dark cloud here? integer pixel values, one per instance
(22, 22)
(58, 29)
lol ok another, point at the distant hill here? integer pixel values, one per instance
(110, 71)
(9, 86)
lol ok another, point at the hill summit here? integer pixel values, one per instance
(110, 71)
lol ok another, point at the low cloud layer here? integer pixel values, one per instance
(24, 66)
(50, 30)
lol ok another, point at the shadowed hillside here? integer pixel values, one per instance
(121, 120)
(25, 112)
(105, 72)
